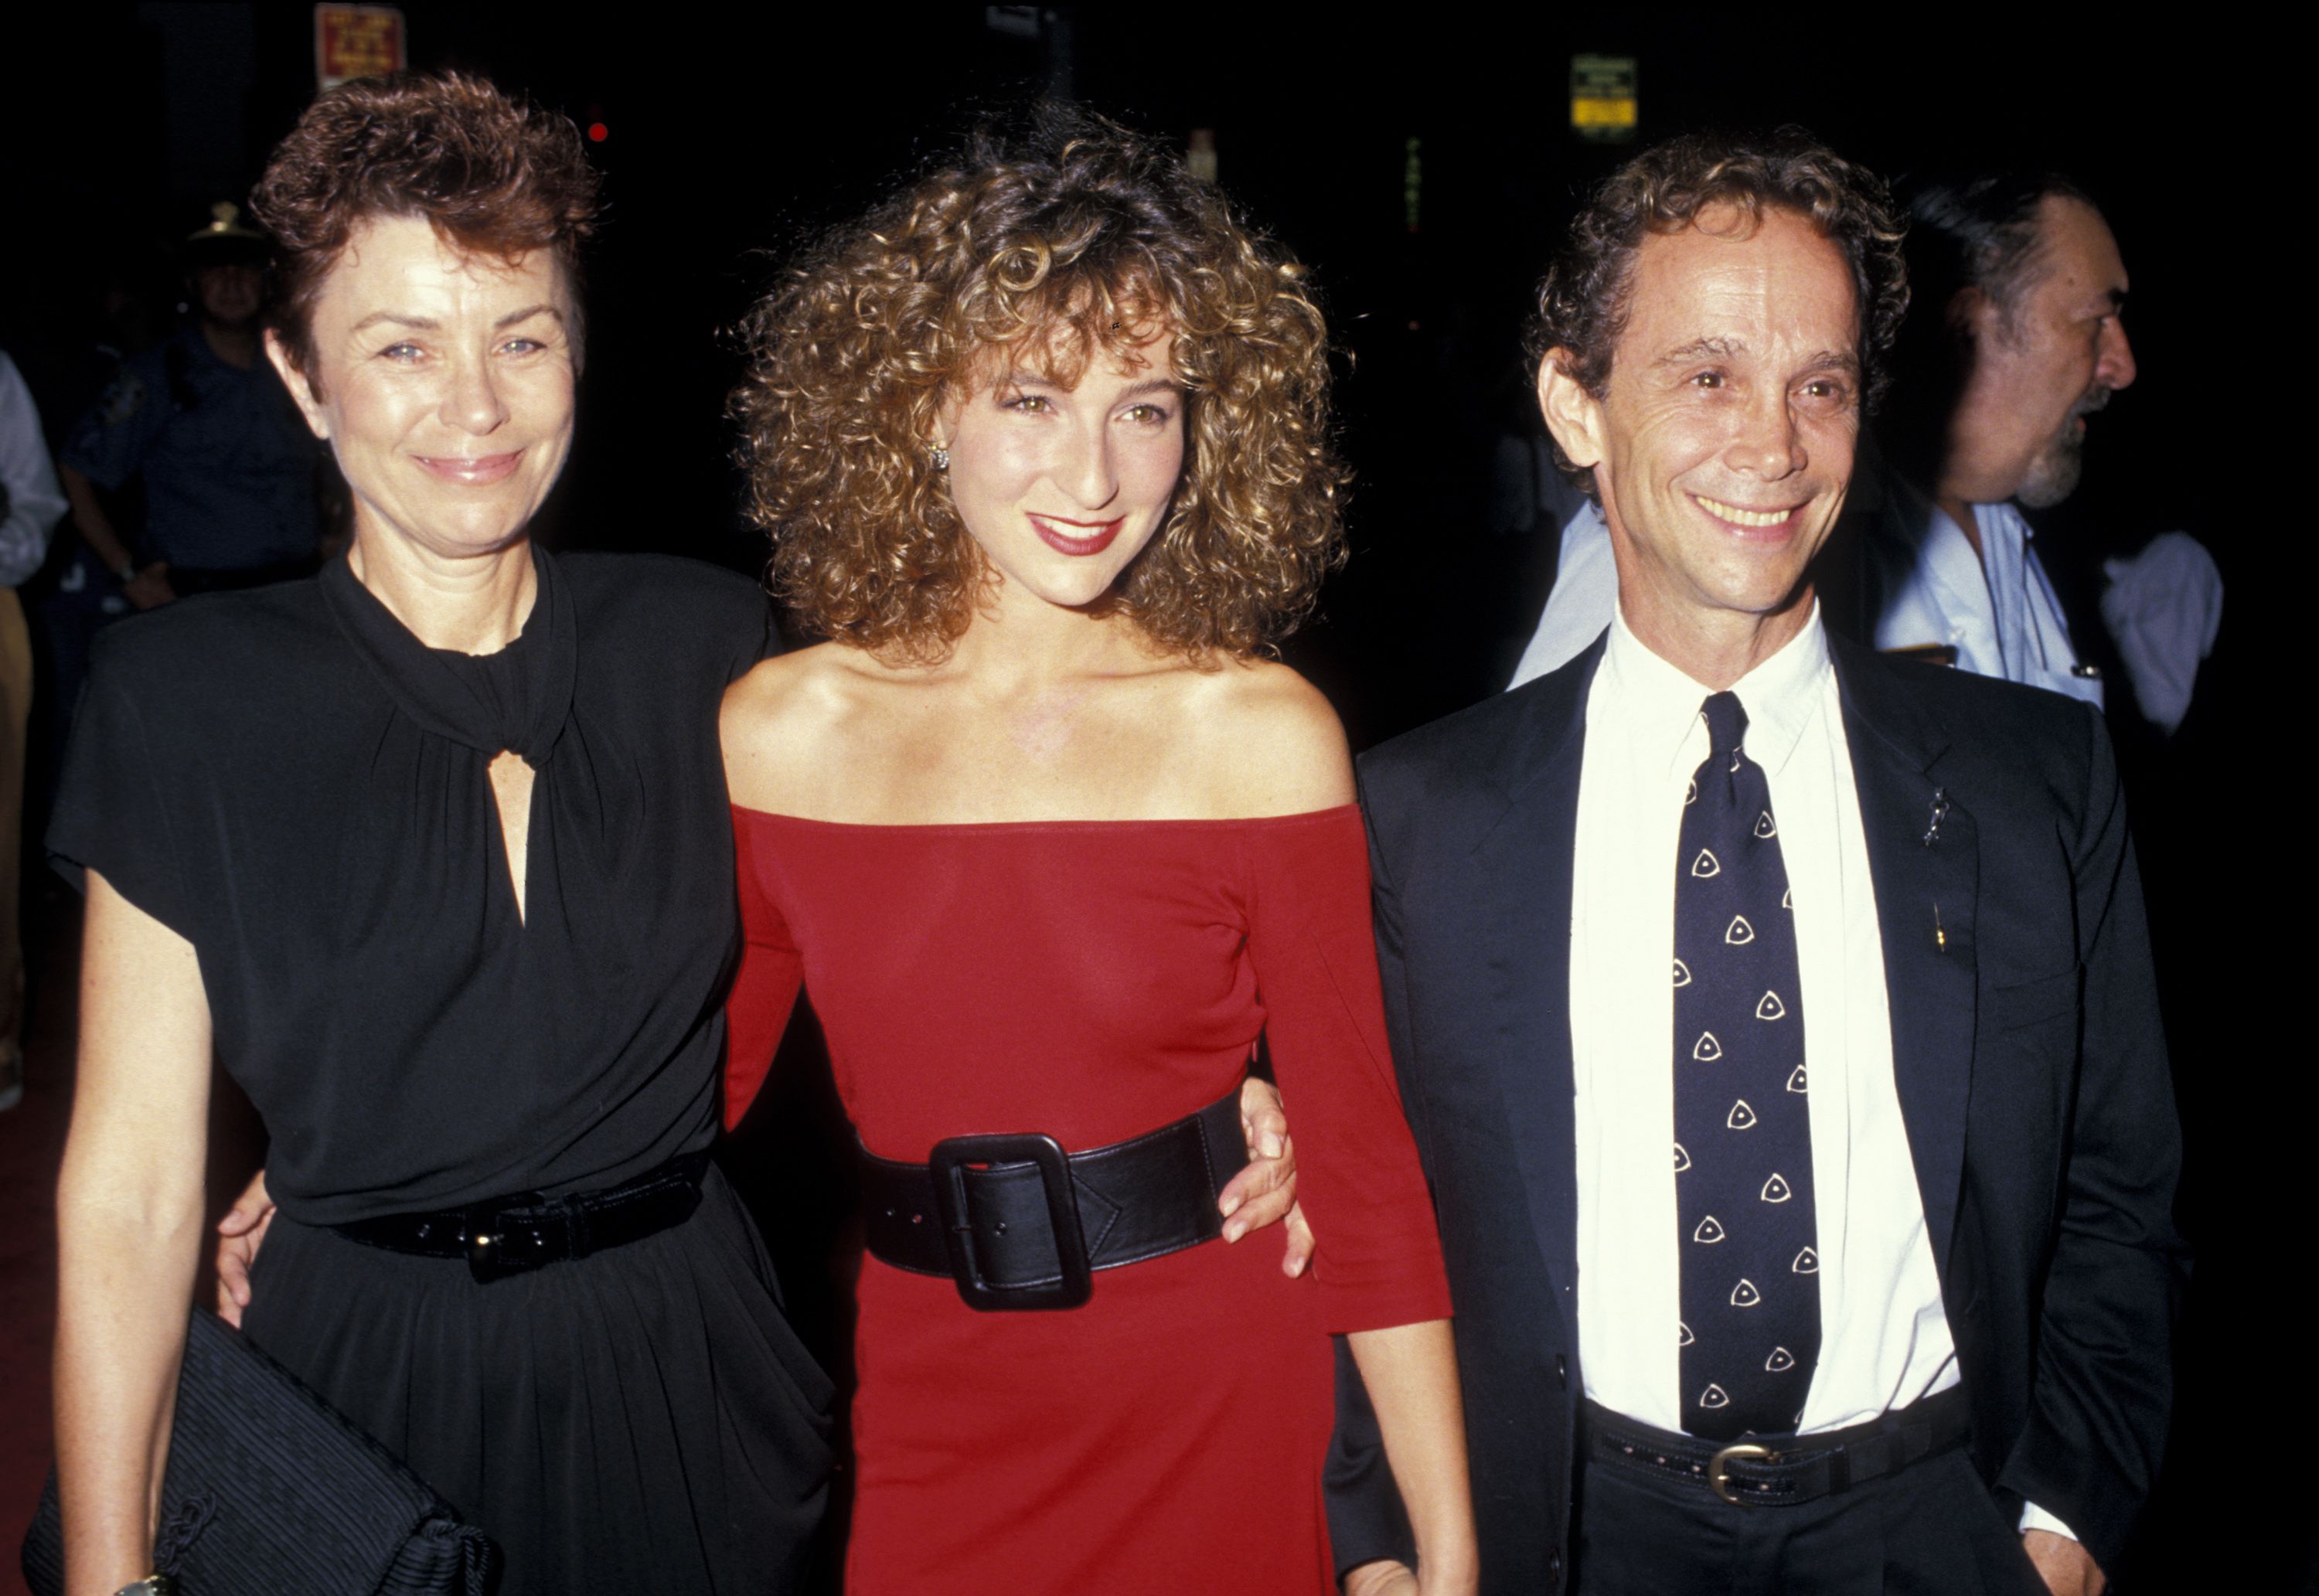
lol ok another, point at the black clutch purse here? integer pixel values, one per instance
(271, 1493)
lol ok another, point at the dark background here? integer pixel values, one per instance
(732, 138)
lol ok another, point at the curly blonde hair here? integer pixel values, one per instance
(1076, 237)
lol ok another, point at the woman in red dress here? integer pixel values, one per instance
(1042, 446)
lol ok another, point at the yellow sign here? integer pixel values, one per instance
(357, 41)
(1603, 101)
(1601, 113)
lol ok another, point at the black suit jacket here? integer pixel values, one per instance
(2025, 1044)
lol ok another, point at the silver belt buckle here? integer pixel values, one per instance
(1720, 1481)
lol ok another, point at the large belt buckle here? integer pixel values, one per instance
(950, 1161)
(1720, 1481)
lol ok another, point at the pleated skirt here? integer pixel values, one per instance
(643, 1420)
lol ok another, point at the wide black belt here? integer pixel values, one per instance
(1018, 1222)
(1782, 1471)
(526, 1230)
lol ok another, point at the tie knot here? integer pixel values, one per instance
(1727, 723)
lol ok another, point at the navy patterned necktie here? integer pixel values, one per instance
(1751, 1319)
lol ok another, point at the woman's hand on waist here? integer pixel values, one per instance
(240, 1233)
(1265, 1192)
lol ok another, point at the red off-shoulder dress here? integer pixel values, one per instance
(1094, 980)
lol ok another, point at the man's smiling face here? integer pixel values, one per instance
(1723, 443)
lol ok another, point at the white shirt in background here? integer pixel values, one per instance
(36, 501)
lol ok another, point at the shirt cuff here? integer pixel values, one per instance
(2034, 1516)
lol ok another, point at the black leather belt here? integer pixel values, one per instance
(1018, 1222)
(1782, 1471)
(526, 1230)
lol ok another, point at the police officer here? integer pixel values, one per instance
(203, 425)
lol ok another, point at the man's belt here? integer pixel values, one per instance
(1018, 1222)
(1782, 1471)
(508, 1234)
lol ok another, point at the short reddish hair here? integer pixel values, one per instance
(496, 174)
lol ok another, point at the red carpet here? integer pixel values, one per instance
(31, 1139)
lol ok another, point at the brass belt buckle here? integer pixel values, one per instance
(1721, 1482)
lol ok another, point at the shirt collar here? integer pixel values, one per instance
(2004, 517)
(1659, 704)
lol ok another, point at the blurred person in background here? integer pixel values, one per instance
(30, 504)
(77, 593)
(227, 473)
(2017, 342)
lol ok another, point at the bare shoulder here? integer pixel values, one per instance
(1267, 741)
(782, 726)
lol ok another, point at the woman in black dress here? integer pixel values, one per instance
(431, 851)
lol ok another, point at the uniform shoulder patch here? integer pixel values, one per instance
(123, 399)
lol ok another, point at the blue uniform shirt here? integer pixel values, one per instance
(228, 461)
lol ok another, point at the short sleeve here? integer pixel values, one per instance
(766, 988)
(1311, 941)
(736, 616)
(109, 443)
(111, 814)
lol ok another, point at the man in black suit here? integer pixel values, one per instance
(1775, 1019)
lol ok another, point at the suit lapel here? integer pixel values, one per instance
(1926, 893)
(1521, 875)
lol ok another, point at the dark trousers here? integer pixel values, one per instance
(1932, 1529)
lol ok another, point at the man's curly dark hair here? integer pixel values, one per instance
(1582, 300)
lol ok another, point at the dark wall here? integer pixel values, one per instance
(730, 141)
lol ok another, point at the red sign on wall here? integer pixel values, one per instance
(357, 41)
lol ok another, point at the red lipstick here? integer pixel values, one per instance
(1093, 540)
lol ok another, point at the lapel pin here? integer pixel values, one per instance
(1940, 813)
(1940, 937)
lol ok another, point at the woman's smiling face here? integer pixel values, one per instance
(1062, 487)
(442, 382)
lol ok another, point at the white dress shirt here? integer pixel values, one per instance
(1578, 606)
(1884, 1338)
(1884, 1334)
(1997, 608)
(2163, 608)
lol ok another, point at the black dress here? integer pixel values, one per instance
(289, 780)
